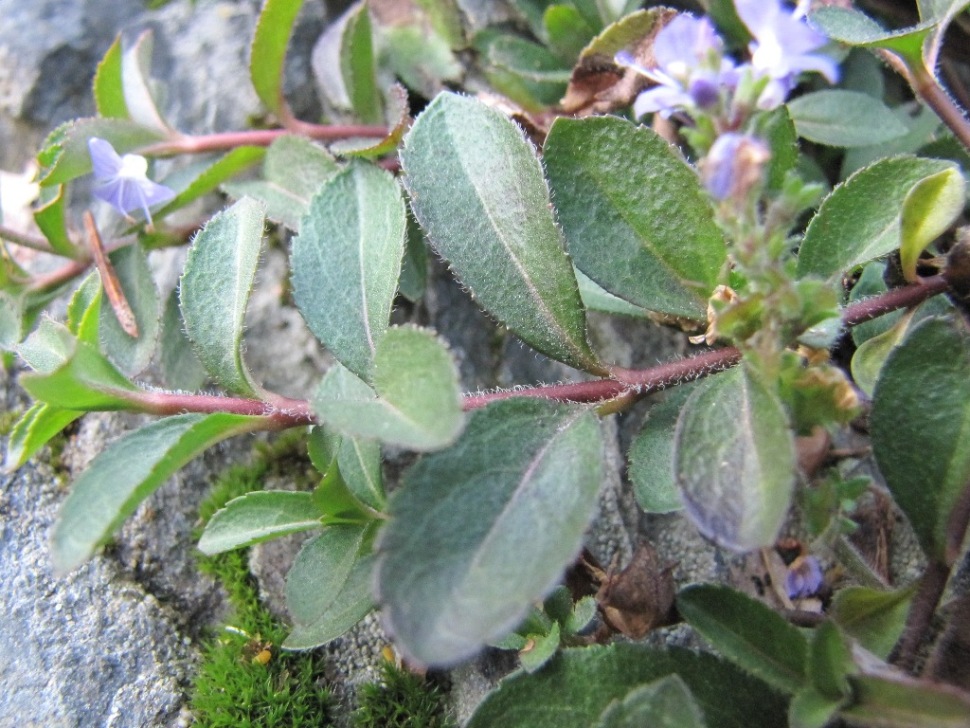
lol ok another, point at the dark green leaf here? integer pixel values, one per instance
(539, 649)
(358, 68)
(567, 30)
(523, 479)
(215, 288)
(268, 51)
(580, 683)
(830, 661)
(131, 355)
(652, 456)
(328, 587)
(210, 177)
(874, 617)
(424, 62)
(734, 460)
(293, 171)
(259, 516)
(415, 401)
(840, 118)
(902, 702)
(523, 70)
(358, 462)
(869, 214)
(34, 430)
(461, 155)
(181, 368)
(65, 154)
(810, 709)
(748, 633)
(920, 411)
(854, 28)
(371, 148)
(130, 470)
(635, 217)
(346, 262)
(109, 93)
(49, 217)
(871, 283)
(665, 703)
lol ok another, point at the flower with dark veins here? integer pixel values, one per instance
(123, 182)
(784, 46)
(691, 68)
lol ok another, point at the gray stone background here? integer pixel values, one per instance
(115, 642)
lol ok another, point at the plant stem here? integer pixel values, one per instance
(284, 412)
(204, 143)
(24, 240)
(927, 597)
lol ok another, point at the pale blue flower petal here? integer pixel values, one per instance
(122, 182)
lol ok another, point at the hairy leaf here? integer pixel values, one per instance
(734, 460)
(268, 52)
(215, 289)
(328, 587)
(461, 155)
(415, 401)
(130, 470)
(523, 479)
(293, 170)
(875, 618)
(580, 683)
(33, 430)
(748, 633)
(131, 355)
(635, 217)
(664, 703)
(259, 516)
(842, 118)
(874, 212)
(203, 179)
(346, 262)
(920, 424)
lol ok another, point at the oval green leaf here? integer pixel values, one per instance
(734, 460)
(504, 245)
(840, 118)
(328, 589)
(920, 425)
(522, 480)
(293, 171)
(130, 470)
(259, 516)
(214, 291)
(415, 401)
(643, 229)
(665, 703)
(580, 683)
(346, 262)
(867, 216)
(748, 633)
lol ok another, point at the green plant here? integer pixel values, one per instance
(725, 227)
(400, 699)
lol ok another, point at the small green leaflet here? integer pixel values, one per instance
(268, 52)
(259, 516)
(415, 401)
(328, 589)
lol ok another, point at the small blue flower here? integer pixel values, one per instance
(691, 69)
(804, 577)
(784, 46)
(734, 165)
(123, 182)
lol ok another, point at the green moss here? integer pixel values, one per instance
(401, 700)
(245, 679)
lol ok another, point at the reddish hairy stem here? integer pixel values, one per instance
(294, 413)
(203, 143)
